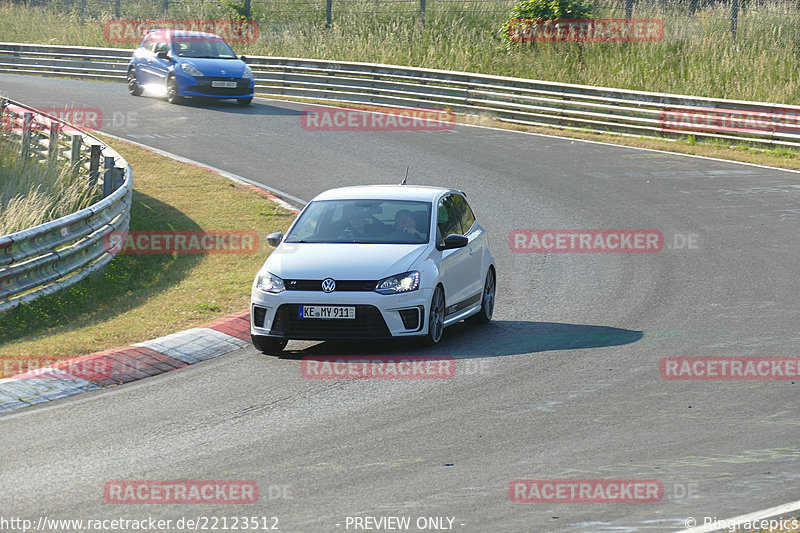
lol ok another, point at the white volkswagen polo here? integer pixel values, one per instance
(374, 262)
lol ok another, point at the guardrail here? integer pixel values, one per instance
(515, 100)
(49, 257)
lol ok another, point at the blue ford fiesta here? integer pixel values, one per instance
(186, 64)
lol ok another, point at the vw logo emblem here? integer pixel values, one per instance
(328, 285)
(222, 71)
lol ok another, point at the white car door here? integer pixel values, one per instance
(455, 264)
(476, 247)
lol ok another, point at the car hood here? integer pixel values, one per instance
(342, 260)
(234, 68)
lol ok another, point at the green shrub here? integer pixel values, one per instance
(551, 10)
(545, 10)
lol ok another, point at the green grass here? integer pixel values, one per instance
(698, 55)
(142, 296)
(33, 192)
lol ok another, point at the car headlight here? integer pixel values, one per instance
(248, 73)
(190, 69)
(400, 283)
(269, 283)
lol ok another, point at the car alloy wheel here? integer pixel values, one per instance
(133, 85)
(487, 300)
(172, 91)
(436, 317)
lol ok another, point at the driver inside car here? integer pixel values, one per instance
(404, 221)
(357, 224)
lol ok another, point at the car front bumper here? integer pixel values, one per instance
(202, 87)
(377, 315)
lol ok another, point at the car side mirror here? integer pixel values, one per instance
(162, 55)
(454, 241)
(274, 239)
(243, 58)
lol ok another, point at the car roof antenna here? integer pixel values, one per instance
(405, 177)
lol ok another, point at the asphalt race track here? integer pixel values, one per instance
(563, 384)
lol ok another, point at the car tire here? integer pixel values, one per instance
(172, 91)
(435, 317)
(484, 316)
(269, 345)
(133, 84)
(244, 102)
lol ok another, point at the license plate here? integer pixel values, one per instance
(226, 84)
(326, 311)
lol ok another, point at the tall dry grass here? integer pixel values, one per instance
(34, 192)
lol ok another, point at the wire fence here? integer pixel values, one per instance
(277, 10)
(780, 19)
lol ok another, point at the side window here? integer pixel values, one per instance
(160, 42)
(448, 218)
(161, 47)
(467, 217)
(148, 43)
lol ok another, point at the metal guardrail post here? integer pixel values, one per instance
(119, 178)
(108, 176)
(328, 12)
(94, 164)
(75, 154)
(52, 143)
(26, 135)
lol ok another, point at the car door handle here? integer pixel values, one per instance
(471, 251)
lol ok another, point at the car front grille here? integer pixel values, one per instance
(344, 285)
(204, 87)
(368, 324)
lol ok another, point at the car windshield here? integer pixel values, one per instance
(363, 221)
(208, 47)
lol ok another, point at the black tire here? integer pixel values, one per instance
(133, 85)
(268, 345)
(484, 316)
(172, 91)
(244, 102)
(435, 318)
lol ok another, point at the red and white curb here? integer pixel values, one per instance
(143, 359)
(129, 363)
